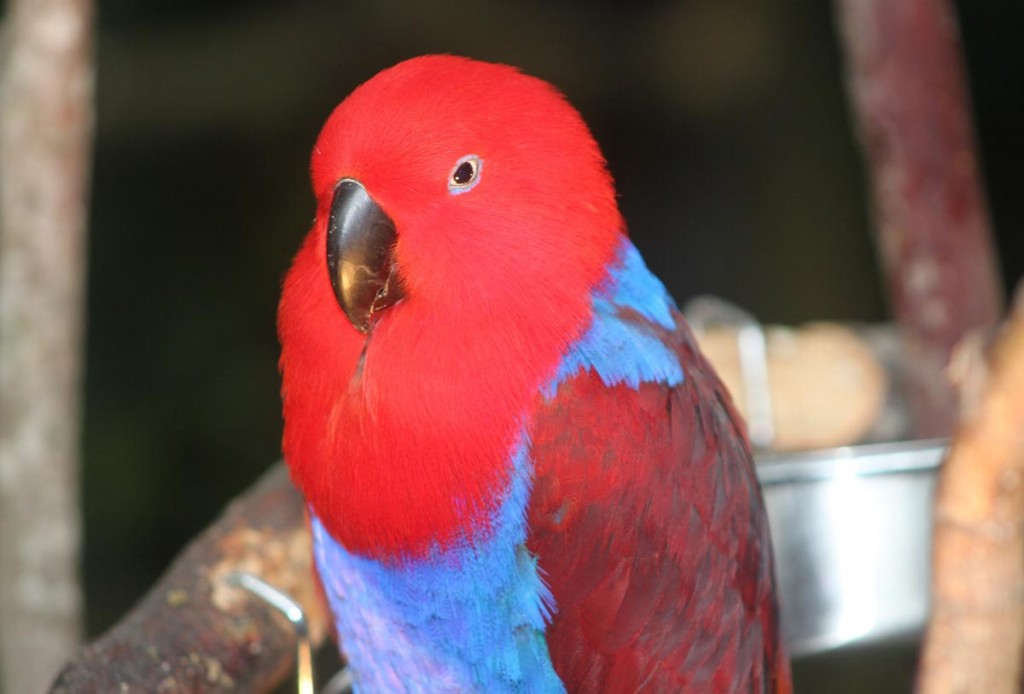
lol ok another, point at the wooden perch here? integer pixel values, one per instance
(909, 95)
(975, 639)
(193, 632)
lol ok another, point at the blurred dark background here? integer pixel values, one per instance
(724, 122)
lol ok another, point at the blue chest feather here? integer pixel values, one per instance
(472, 617)
(467, 619)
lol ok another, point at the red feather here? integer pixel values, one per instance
(648, 524)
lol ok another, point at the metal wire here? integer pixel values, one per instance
(292, 611)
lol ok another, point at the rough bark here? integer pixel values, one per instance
(194, 631)
(909, 96)
(975, 639)
(46, 122)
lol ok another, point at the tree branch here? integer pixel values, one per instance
(194, 631)
(909, 96)
(975, 639)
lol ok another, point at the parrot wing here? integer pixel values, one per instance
(649, 529)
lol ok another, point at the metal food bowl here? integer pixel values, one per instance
(852, 531)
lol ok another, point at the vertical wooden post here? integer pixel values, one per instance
(46, 121)
(909, 97)
(975, 638)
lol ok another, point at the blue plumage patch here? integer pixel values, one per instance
(618, 350)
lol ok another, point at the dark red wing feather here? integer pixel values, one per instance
(649, 526)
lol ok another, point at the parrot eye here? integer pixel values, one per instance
(465, 175)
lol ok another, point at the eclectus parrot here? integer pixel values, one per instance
(521, 473)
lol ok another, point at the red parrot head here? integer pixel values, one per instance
(464, 215)
(487, 176)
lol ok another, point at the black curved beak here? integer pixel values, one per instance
(360, 254)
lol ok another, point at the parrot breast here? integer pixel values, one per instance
(470, 617)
